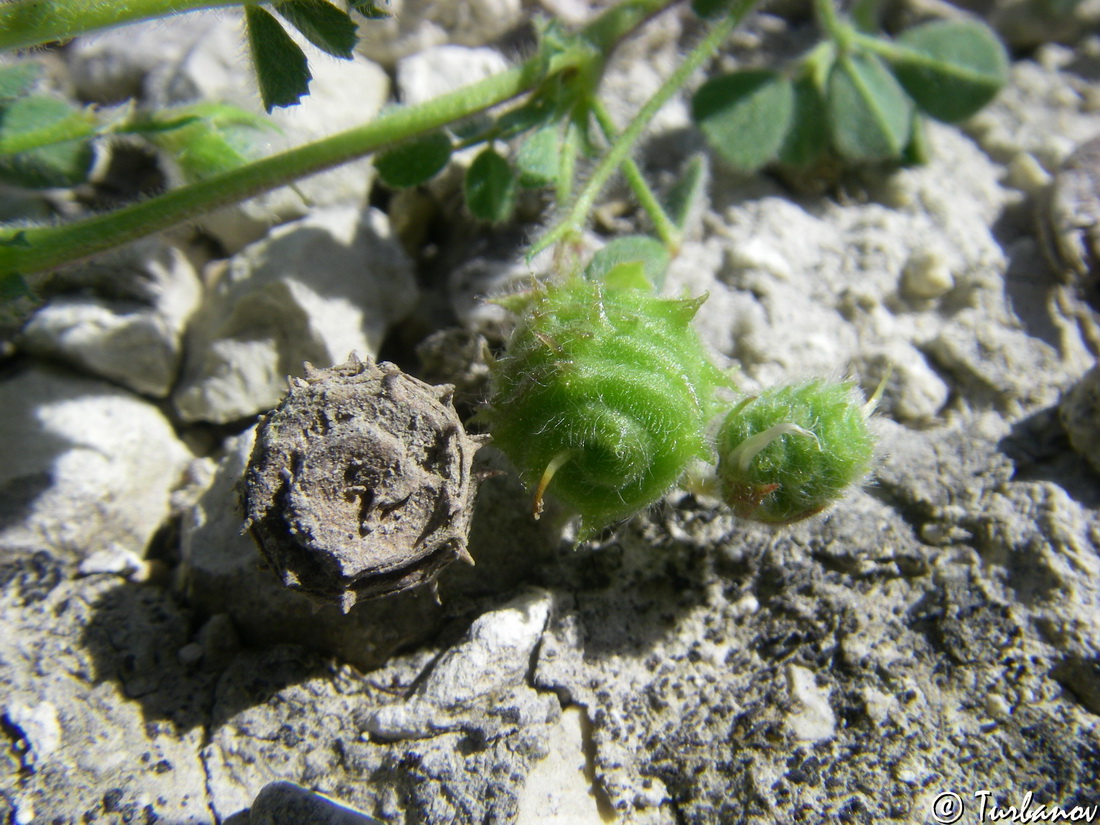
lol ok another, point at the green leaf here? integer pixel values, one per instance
(539, 158)
(617, 263)
(868, 111)
(951, 68)
(52, 138)
(18, 79)
(322, 24)
(281, 66)
(744, 116)
(415, 162)
(491, 187)
(204, 139)
(687, 195)
(808, 137)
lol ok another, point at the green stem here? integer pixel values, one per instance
(45, 248)
(666, 229)
(50, 247)
(620, 150)
(25, 23)
(837, 30)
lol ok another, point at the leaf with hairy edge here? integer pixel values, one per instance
(648, 253)
(281, 66)
(539, 158)
(415, 162)
(322, 24)
(951, 68)
(869, 113)
(45, 143)
(491, 187)
(744, 116)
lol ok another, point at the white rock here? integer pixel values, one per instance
(416, 25)
(927, 275)
(314, 290)
(39, 726)
(557, 790)
(134, 340)
(83, 465)
(434, 72)
(810, 719)
(493, 656)
(342, 94)
(914, 392)
(115, 560)
(112, 65)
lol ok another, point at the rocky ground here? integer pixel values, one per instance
(938, 632)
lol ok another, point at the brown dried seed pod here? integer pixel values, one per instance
(360, 483)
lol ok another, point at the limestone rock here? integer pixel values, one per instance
(83, 465)
(314, 290)
(417, 25)
(131, 331)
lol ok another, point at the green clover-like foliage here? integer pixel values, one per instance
(790, 452)
(602, 397)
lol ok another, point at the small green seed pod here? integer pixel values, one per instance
(602, 397)
(790, 452)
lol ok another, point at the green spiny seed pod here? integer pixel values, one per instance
(602, 397)
(790, 452)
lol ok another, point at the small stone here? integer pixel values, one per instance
(1080, 414)
(284, 803)
(927, 275)
(190, 654)
(1027, 174)
(811, 719)
(115, 559)
(360, 483)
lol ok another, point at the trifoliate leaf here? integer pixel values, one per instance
(415, 162)
(744, 116)
(18, 79)
(868, 111)
(322, 24)
(951, 68)
(491, 187)
(615, 263)
(539, 158)
(44, 143)
(808, 137)
(281, 66)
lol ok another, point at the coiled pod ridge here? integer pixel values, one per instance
(790, 452)
(602, 397)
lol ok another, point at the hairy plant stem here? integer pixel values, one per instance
(620, 150)
(43, 248)
(26, 23)
(662, 224)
